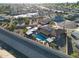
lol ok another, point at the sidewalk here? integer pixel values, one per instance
(5, 54)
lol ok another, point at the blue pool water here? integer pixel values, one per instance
(41, 36)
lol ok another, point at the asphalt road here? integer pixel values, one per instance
(29, 48)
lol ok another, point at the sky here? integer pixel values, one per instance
(37, 1)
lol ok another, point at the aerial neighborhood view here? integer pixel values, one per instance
(46, 30)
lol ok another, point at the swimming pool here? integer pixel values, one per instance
(40, 36)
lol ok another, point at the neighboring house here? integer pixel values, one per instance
(39, 20)
(47, 31)
(3, 19)
(77, 21)
(58, 19)
(77, 44)
(67, 24)
(31, 16)
(44, 21)
(60, 22)
(75, 35)
(20, 25)
(26, 15)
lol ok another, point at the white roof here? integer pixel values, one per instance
(35, 28)
(25, 15)
(50, 39)
(29, 32)
(28, 27)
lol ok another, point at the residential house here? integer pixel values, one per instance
(77, 21)
(75, 35)
(44, 21)
(20, 25)
(3, 19)
(47, 31)
(67, 24)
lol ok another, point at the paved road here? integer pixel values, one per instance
(28, 47)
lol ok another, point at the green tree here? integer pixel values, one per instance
(25, 30)
(26, 20)
(53, 45)
(11, 27)
(75, 54)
